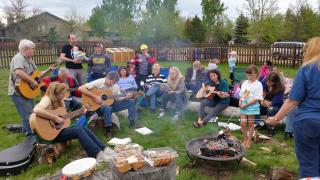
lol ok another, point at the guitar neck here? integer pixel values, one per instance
(48, 70)
(72, 114)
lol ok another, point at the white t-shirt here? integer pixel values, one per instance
(251, 90)
(100, 84)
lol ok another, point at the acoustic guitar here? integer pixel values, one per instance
(209, 92)
(24, 87)
(206, 92)
(48, 129)
(107, 97)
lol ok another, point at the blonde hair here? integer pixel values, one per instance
(173, 83)
(155, 66)
(312, 51)
(54, 89)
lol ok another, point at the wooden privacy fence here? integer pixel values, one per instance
(45, 53)
(284, 56)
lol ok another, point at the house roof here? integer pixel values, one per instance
(35, 16)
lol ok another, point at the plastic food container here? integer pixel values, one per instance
(160, 156)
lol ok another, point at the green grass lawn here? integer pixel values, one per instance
(166, 133)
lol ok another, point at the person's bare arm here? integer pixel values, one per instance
(64, 58)
(22, 75)
(288, 106)
(44, 113)
(84, 90)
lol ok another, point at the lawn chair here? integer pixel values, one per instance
(239, 74)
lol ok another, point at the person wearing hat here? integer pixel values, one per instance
(143, 66)
(232, 64)
(120, 103)
(99, 63)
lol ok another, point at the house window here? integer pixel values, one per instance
(39, 28)
(43, 28)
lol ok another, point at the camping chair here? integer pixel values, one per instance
(239, 74)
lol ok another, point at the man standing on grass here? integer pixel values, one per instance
(74, 64)
(21, 67)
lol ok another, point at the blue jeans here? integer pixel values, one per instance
(152, 95)
(177, 98)
(25, 108)
(217, 109)
(307, 141)
(73, 103)
(194, 86)
(289, 121)
(106, 111)
(90, 143)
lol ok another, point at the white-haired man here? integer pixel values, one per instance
(21, 67)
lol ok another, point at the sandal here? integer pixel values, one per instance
(196, 124)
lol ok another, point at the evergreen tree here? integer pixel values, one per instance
(241, 29)
(195, 30)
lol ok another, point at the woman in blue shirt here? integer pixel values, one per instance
(305, 94)
(273, 94)
(126, 81)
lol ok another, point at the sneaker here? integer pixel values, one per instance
(132, 125)
(162, 113)
(104, 156)
(108, 133)
(176, 117)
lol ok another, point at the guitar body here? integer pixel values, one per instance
(25, 89)
(204, 93)
(105, 95)
(44, 128)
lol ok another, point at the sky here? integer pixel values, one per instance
(187, 7)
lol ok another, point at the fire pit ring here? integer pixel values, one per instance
(192, 148)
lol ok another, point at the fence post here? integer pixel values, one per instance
(294, 56)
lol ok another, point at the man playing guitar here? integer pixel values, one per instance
(72, 102)
(21, 67)
(121, 103)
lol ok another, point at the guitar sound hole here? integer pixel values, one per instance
(104, 97)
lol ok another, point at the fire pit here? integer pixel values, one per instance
(219, 151)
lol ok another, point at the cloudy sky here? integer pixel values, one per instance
(186, 7)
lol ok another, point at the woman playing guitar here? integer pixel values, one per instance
(52, 100)
(216, 90)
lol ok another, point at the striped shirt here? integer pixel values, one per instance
(152, 80)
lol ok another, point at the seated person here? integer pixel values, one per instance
(213, 64)
(194, 77)
(265, 70)
(219, 98)
(273, 93)
(126, 81)
(131, 66)
(99, 64)
(52, 100)
(175, 91)
(152, 86)
(121, 103)
(73, 101)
